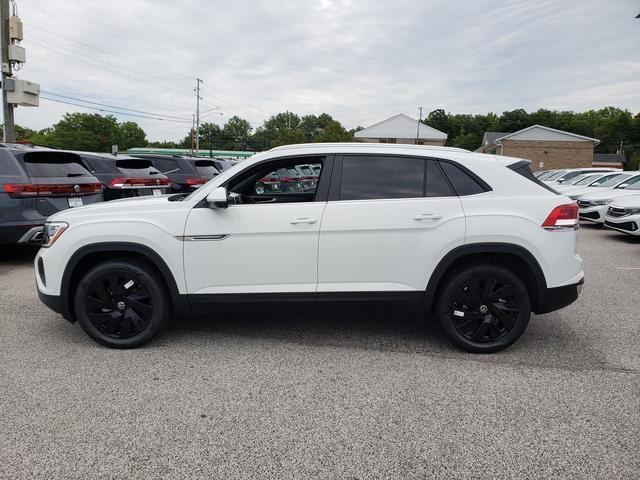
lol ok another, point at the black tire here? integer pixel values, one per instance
(121, 303)
(484, 308)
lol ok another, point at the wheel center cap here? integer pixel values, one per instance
(121, 305)
(484, 309)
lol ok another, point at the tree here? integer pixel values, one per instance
(131, 135)
(236, 133)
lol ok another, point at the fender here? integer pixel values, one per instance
(479, 248)
(179, 303)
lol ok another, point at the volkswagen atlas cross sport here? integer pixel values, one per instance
(471, 239)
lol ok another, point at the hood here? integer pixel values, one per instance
(608, 193)
(628, 201)
(124, 205)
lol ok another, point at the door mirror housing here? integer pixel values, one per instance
(218, 198)
(623, 185)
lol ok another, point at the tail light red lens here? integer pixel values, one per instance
(51, 190)
(131, 182)
(562, 217)
(196, 181)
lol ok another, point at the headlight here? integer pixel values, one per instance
(53, 231)
(602, 202)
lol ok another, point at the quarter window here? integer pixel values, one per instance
(462, 183)
(376, 177)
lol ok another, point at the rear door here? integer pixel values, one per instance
(388, 222)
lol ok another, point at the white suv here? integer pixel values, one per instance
(472, 239)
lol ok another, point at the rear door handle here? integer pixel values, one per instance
(298, 220)
(427, 216)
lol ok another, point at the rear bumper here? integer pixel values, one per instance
(553, 299)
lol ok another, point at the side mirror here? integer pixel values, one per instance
(218, 198)
(623, 185)
(560, 180)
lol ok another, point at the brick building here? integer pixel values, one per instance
(547, 148)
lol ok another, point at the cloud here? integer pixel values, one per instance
(357, 60)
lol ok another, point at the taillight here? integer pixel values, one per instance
(51, 190)
(196, 181)
(130, 182)
(562, 217)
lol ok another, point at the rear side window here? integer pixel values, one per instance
(167, 165)
(9, 167)
(100, 165)
(437, 184)
(462, 182)
(52, 165)
(377, 177)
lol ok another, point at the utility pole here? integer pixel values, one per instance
(198, 98)
(9, 129)
(419, 122)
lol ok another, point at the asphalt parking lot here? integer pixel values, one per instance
(363, 395)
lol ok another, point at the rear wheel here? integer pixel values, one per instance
(484, 308)
(121, 303)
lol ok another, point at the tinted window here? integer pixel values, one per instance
(100, 165)
(206, 168)
(50, 168)
(8, 165)
(166, 165)
(368, 177)
(437, 185)
(462, 183)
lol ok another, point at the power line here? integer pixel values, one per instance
(107, 51)
(184, 117)
(102, 67)
(75, 52)
(112, 111)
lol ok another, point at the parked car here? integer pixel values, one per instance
(623, 215)
(543, 174)
(186, 173)
(593, 206)
(603, 184)
(564, 175)
(583, 183)
(124, 176)
(36, 183)
(223, 164)
(474, 240)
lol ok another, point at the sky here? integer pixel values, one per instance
(359, 60)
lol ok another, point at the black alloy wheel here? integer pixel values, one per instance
(121, 303)
(484, 308)
(119, 306)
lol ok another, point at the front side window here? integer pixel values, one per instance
(276, 182)
(612, 181)
(369, 177)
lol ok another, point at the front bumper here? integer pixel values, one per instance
(593, 213)
(629, 224)
(553, 299)
(51, 301)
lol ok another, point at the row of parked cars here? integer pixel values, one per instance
(605, 196)
(36, 182)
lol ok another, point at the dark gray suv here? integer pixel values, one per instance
(36, 183)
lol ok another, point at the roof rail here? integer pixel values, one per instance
(372, 145)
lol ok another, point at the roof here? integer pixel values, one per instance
(540, 132)
(369, 146)
(203, 152)
(490, 137)
(401, 126)
(609, 158)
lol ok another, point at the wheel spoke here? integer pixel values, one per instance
(103, 293)
(96, 303)
(142, 309)
(480, 332)
(100, 318)
(125, 329)
(111, 326)
(502, 292)
(474, 290)
(489, 285)
(505, 319)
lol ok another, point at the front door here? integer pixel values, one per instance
(265, 242)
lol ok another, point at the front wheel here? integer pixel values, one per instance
(121, 303)
(484, 309)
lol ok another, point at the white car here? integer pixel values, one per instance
(593, 206)
(562, 176)
(603, 184)
(581, 181)
(623, 215)
(472, 239)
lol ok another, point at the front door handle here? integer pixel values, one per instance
(298, 220)
(427, 216)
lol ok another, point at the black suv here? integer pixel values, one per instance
(185, 173)
(37, 182)
(124, 176)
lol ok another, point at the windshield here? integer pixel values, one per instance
(586, 180)
(634, 183)
(613, 181)
(576, 180)
(555, 175)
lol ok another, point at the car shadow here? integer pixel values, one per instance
(17, 254)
